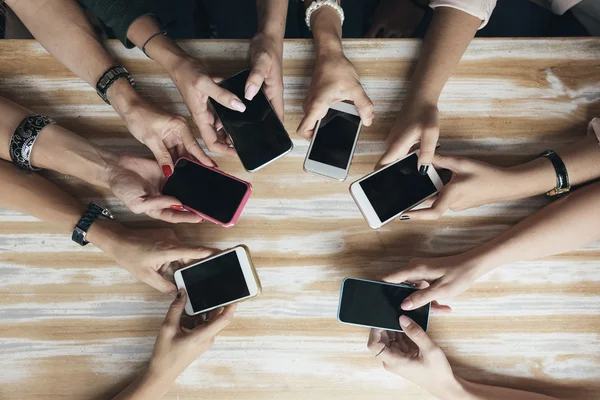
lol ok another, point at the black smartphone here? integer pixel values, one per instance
(257, 134)
(212, 194)
(377, 305)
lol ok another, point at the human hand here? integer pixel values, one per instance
(266, 58)
(136, 182)
(414, 356)
(334, 79)
(446, 277)
(473, 184)
(178, 346)
(150, 254)
(166, 135)
(417, 122)
(395, 19)
(196, 86)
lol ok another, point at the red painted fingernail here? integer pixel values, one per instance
(167, 170)
(177, 207)
(215, 164)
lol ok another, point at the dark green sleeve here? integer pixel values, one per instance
(118, 15)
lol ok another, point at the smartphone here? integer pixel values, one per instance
(226, 278)
(334, 141)
(385, 194)
(208, 192)
(377, 305)
(257, 134)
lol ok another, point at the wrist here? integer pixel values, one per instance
(123, 97)
(108, 235)
(163, 376)
(421, 98)
(454, 389)
(532, 178)
(327, 31)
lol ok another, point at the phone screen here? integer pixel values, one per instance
(215, 282)
(257, 134)
(205, 190)
(397, 188)
(377, 304)
(335, 139)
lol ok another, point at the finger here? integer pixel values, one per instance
(216, 325)
(210, 137)
(396, 150)
(420, 298)
(428, 203)
(364, 105)
(454, 164)
(416, 334)
(222, 96)
(192, 146)
(440, 308)
(437, 209)
(188, 253)
(277, 103)
(159, 283)
(161, 154)
(173, 316)
(157, 203)
(429, 139)
(257, 76)
(408, 274)
(373, 31)
(218, 125)
(176, 216)
(316, 111)
(375, 343)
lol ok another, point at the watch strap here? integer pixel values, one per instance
(110, 77)
(85, 222)
(562, 177)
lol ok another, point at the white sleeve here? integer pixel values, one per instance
(481, 9)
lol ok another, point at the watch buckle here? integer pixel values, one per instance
(81, 232)
(106, 213)
(556, 192)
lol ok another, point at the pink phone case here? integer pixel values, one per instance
(238, 212)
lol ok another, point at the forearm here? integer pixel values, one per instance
(272, 16)
(327, 31)
(58, 149)
(564, 225)
(447, 39)
(147, 387)
(476, 391)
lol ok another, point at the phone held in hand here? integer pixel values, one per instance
(377, 305)
(387, 193)
(257, 134)
(208, 192)
(332, 148)
(226, 278)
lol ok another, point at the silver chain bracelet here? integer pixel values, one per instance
(22, 140)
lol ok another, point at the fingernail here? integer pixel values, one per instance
(251, 91)
(238, 105)
(423, 169)
(214, 164)
(179, 293)
(167, 170)
(404, 218)
(407, 304)
(404, 321)
(177, 207)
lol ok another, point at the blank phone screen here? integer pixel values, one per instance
(376, 304)
(205, 190)
(397, 188)
(257, 133)
(335, 139)
(215, 282)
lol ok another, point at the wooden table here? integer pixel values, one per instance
(75, 326)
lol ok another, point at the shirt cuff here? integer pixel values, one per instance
(481, 9)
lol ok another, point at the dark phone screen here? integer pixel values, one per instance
(215, 282)
(257, 134)
(397, 188)
(205, 190)
(378, 305)
(335, 138)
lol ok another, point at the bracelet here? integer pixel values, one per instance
(320, 3)
(109, 77)
(87, 219)
(162, 32)
(23, 138)
(562, 177)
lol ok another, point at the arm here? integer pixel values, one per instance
(64, 31)
(334, 77)
(414, 356)
(447, 38)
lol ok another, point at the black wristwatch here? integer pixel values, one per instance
(109, 77)
(562, 177)
(93, 212)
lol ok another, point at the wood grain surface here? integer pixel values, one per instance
(75, 326)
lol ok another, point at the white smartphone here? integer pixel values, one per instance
(219, 280)
(387, 193)
(334, 141)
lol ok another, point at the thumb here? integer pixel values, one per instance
(416, 334)
(420, 298)
(429, 139)
(173, 317)
(163, 157)
(257, 76)
(451, 163)
(158, 282)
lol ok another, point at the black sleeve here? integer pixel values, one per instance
(118, 15)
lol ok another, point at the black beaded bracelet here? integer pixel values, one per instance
(110, 77)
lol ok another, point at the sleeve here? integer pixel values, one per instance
(481, 9)
(118, 15)
(594, 128)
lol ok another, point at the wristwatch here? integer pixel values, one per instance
(562, 177)
(93, 212)
(109, 77)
